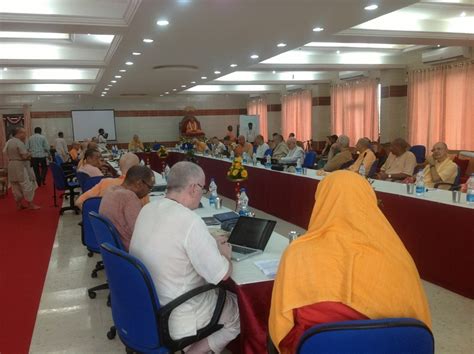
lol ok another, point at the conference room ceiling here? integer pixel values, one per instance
(91, 47)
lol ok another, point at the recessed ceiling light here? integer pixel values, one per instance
(129, 63)
(338, 51)
(104, 93)
(136, 53)
(106, 89)
(123, 70)
(147, 40)
(318, 29)
(5, 69)
(281, 45)
(439, 45)
(463, 14)
(203, 77)
(110, 85)
(217, 72)
(371, 7)
(175, 90)
(193, 82)
(113, 81)
(274, 72)
(233, 65)
(161, 95)
(162, 22)
(167, 93)
(118, 76)
(183, 86)
(254, 56)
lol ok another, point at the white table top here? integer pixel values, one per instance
(433, 195)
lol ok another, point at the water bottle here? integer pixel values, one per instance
(167, 171)
(268, 163)
(244, 203)
(254, 159)
(470, 190)
(362, 170)
(245, 157)
(213, 192)
(420, 183)
(232, 155)
(299, 169)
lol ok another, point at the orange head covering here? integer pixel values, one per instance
(350, 254)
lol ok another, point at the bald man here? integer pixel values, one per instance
(294, 152)
(400, 163)
(126, 162)
(440, 168)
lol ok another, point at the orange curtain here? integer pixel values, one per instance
(441, 106)
(354, 110)
(296, 114)
(258, 107)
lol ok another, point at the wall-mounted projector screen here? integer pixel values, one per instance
(86, 124)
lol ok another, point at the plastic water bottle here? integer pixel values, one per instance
(245, 157)
(232, 155)
(268, 163)
(470, 190)
(213, 192)
(244, 203)
(362, 170)
(420, 183)
(254, 159)
(299, 168)
(167, 171)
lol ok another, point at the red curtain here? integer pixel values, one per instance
(258, 106)
(355, 110)
(441, 106)
(296, 114)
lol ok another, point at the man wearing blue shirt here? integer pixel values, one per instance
(38, 146)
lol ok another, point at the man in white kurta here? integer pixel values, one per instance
(175, 245)
(295, 153)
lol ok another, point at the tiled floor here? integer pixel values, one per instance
(69, 322)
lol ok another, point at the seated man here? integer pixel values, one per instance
(175, 245)
(218, 148)
(92, 163)
(135, 145)
(121, 203)
(439, 167)
(281, 149)
(262, 147)
(243, 147)
(127, 161)
(199, 145)
(339, 154)
(295, 152)
(366, 156)
(400, 163)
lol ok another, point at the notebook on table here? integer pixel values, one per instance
(250, 236)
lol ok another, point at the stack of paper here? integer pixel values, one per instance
(268, 267)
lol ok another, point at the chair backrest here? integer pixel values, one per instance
(90, 182)
(346, 164)
(268, 152)
(463, 165)
(58, 176)
(388, 336)
(373, 169)
(420, 153)
(104, 230)
(457, 180)
(82, 177)
(88, 236)
(134, 300)
(309, 159)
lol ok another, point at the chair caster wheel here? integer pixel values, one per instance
(90, 254)
(112, 333)
(92, 294)
(94, 274)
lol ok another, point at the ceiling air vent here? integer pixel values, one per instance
(133, 94)
(176, 67)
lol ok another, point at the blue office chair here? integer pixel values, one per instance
(86, 182)
(81, 179)
(388, 336)
(140, 321)
(90, 241)
(156, 147)
(61, 183)
(420, 153)
(373, 169)
(452, 186)
(104, 230)
(309, 159)
(268, 152)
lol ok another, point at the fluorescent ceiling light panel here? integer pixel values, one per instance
(20, 88)
(147, 40)
(240, 76)
(358, 45)
(318, 29)
(233, 88)
(49, 74)
(162, 22)
(371, 7)
(34, 35)
(101, 38)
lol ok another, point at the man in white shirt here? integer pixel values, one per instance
(175, 245)
(218, 148)
(262, 147)
(61, 147)
(102, 140)
(295, 152)
(250, 134)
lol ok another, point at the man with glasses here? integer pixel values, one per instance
(176, 247)
(121, 204)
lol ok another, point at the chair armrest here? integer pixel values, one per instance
(164, 314)
(453, 186)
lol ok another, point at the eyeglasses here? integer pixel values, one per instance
(203, 188)
(146, 184)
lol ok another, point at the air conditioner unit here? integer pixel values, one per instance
(353, 75)
(443, 55)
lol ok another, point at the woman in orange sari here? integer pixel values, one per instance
(349, 265)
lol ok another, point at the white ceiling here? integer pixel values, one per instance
(97, 38)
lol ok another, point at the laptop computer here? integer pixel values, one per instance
(250, 236)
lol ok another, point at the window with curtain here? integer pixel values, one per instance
(441, 106)
(258, 106)
(355, 109)
(296, 114)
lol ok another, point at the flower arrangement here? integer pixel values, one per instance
(162, 152)
(237, 171)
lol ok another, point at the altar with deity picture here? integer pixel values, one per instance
(189, 125)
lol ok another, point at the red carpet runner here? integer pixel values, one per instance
(27, 238)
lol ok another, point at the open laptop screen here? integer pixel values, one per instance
(252, 232)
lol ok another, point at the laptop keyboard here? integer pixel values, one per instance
(242, 250)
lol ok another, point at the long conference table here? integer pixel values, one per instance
(438, 233)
